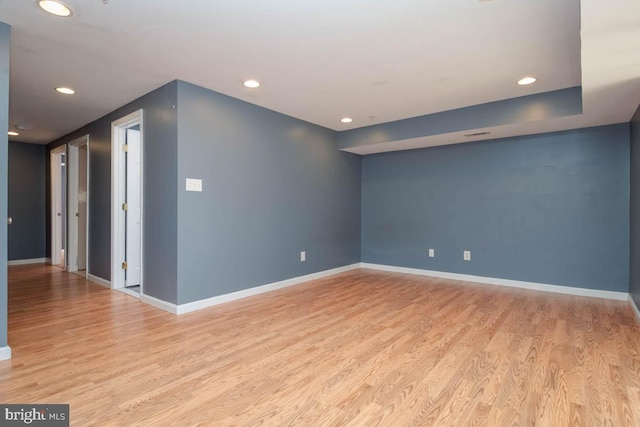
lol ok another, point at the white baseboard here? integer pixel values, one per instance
(27, 261)
(221, 299)
(129, 292)
(569, 290)
(5, 353)
(158, 303)
(634, 307)
(99, 280)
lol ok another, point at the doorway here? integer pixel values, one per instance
(58, 205)
(78, 211)
(127, 195)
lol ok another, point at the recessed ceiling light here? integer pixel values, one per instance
(54, 7)
(526, 81)
(252, 83)
(12, 133)
(66, 90)
(346, 120)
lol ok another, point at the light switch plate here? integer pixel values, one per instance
(194, 184)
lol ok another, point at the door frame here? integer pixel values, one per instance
(57, 238)
(118, 138)
(73, 151)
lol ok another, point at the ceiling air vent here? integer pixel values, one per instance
(469, 135)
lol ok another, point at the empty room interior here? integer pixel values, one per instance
(341, 213)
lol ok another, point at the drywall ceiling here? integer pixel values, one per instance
(319, 61)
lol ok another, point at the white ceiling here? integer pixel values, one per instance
(320, 60)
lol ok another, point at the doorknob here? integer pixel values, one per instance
(9, 220)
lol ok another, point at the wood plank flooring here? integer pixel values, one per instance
(363, 348)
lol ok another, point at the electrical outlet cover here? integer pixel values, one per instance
(194, 184)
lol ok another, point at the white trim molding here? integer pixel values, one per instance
(569, 290)
(634, 307)
(221, 299)
(129, 292)
(27, 261)
(5, 353)
(98, 280)
(158, 303)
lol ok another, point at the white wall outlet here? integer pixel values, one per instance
(467, 255)
(303, 256)
(432, 253)
(194, 184)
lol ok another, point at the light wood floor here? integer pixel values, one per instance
(362, 348)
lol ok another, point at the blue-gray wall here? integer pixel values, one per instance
(5, 36)
(272, 186)
(634, 262)
(549, 208)
(160, 190)
(27, 200)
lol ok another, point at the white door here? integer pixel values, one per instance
(82, 208)
(57, 206)
(133, 222)
(77, 165)
(127, 189)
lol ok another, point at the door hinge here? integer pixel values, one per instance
(124, 265)
(125, 147)
(125, 207)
